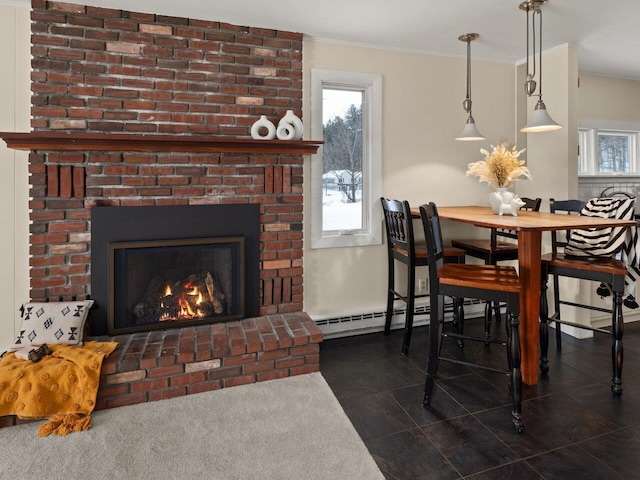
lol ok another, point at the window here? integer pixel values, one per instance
(346, 172)
(614, 152)
(607, 152)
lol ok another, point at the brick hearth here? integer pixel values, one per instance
(171, 363)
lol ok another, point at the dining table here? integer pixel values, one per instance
(529, 227)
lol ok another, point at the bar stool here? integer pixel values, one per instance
(402, 247)
(607, 270)
(490, 283)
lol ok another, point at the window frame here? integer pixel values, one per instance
(588, 135)
(371, 231)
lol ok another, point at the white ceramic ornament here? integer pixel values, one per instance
(260, 125)
(294, 123)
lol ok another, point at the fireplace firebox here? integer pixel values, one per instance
(163, 267)
(160, 284)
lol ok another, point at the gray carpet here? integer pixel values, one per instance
(292, 428)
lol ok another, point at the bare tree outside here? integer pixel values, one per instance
(342, 159)
(614, 153)
(343, 151)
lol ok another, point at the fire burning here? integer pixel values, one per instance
(197, 296)
(189, 304)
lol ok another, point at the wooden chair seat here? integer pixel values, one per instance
(607, 266)
(483, 249)
(456, 254)
(500, 278)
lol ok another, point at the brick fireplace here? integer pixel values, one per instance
(112, 73)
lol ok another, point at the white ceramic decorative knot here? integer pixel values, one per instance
(289, 127)
(263, 124)
(285, 131)
(504, 202)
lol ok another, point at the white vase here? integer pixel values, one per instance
(285, 131)
(504, 202)
(292, 122)
(260, 125)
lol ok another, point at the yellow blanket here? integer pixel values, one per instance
(61, 387)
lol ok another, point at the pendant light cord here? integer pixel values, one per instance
(539, 52)
(531, 74)
(469, 73)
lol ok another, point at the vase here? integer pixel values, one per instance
(292, 128)
(258, 129)
(504, 202)
(285, 131)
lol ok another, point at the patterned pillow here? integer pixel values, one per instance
(53, 323)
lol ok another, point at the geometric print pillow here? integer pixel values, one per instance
(53, 323)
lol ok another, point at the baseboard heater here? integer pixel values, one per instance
(373, 321)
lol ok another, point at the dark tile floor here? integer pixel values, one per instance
(574, 427)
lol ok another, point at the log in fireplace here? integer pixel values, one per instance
(171, 266)
(175, 283)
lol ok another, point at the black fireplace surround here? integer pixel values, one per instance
(211, 232)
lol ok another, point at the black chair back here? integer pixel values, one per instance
(567, 207)
(610, 192)
(435, 246)
(398, 224)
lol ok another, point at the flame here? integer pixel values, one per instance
(185, 305)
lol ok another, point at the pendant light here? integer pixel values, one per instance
(540, 121)
(470, 131)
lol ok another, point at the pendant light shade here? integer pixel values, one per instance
(541, 121)
(470, 131)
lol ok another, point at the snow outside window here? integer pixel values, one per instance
(346, 172)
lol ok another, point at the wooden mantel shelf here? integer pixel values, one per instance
(101, 142)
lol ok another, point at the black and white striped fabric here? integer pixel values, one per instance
(605, 242)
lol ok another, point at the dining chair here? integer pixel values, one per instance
(460, 281)
(609, 271)
(402, 247)
(501, 246)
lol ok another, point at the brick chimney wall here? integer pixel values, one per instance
(113, 71)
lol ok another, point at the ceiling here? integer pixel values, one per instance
(606, 33)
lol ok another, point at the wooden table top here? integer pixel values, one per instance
(543, 221)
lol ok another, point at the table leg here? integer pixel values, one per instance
(529, 253)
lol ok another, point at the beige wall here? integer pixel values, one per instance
(14, 214)
(553, 155)
(422, 113)
(607, 98)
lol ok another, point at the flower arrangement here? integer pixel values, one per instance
(500, 167)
